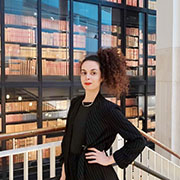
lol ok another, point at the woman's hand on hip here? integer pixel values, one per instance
(96, 156)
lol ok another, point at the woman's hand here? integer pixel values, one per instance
(99, 157)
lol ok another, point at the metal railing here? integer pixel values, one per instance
(148, 165)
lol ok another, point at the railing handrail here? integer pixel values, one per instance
(155, 141)
(58, 143)
(42, 131)
(34, 132)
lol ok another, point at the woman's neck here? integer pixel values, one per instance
(90, 96)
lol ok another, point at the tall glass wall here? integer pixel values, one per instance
(40, 70)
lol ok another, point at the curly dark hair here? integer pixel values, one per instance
(113, 70)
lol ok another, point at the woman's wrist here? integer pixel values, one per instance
(111, 160)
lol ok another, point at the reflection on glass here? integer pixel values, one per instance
(152, 4)
(20, 38)
(55, 38)
(85, 32)
(21, 115)
(151, 45)
(55, 107)
(111, 27)
(134, 43)
(20, 106)
(115, 1)
(55, 110)
(136, 3)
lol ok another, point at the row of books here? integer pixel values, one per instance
(151, 49)
(131, 2)
(55, 24)
(55, 105)
(79, 41)
(132, 41)
(79, 54)
(115, 1)
(21, 106)
(20, 117)
(20, 143)
(21, 67)
(111, 28)
(135, 72)
(76, 69)
(131, 111)
(59, 68)
(21, 127)
(132, 53)
(131, 101)
(141, 48)
(110, 40)
(132, 31)
(152, 4)
(55, 53)
(141, 61)
(135, 3)
(152, 37)
(151, 71)
(21, 20)
(151, 62)
(132, 63)
(55, 39)
(20, 35)
(20, 51)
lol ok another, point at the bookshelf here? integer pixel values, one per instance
(111, 28)
(151, 46)
(55, 45)
(20, 45)
(135, 3)
(67, 35)
(134, 43)
(134, 110)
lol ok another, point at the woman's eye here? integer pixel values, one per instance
(93, 73)
(83, 73)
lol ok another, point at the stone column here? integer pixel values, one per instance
(167, 76)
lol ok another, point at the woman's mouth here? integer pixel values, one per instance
(87, 84)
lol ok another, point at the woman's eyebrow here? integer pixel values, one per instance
(90, 69)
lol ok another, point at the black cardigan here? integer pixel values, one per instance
(104, 121)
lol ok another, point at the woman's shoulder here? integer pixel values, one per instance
(109, 105)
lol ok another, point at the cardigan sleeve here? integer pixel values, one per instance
(134, 143)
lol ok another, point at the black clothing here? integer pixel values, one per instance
(104, 121)
(79, 127)
(78, 139)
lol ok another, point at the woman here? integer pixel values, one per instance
(93, 122)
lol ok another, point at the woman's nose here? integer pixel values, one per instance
(87, 76)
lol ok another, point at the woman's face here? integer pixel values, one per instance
(90, 75)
